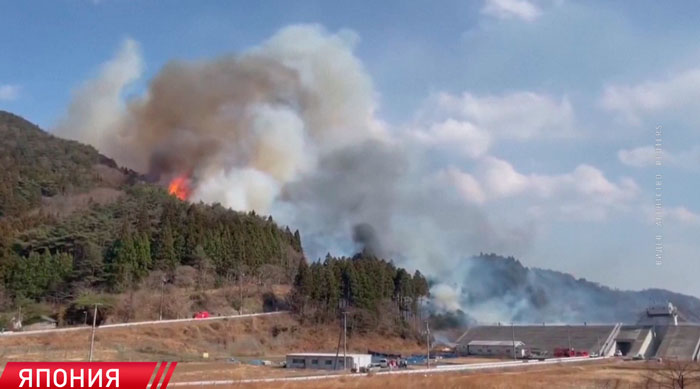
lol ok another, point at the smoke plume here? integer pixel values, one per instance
(290, 128)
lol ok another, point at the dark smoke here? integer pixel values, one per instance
(365, 235)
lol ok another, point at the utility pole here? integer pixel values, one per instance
(345, 338)
(512, 326)
(240, 289)
(92, 339)
(337, 352)
(162, 297)
(427, 338)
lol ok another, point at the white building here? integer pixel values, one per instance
(328, 361)
(496, 348)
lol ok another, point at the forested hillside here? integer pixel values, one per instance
(373, 291)
(37, 165)
(502, 287)
(72, 222)
(76, 229)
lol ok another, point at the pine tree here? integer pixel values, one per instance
(166, 257)
(331, 289)
(88, 266)
(297, 242)
(143, 260)
(302, 287)
(204, 268)
(122, 260)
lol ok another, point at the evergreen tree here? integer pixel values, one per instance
(297, 242)
(166, 257)
(302, 287)
(88, 267)
(143, 261)
(122, 261)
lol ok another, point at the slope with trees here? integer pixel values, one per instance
(76, 229)
(375, 293)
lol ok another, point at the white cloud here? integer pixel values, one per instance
(467, 186)
(646, 156)
(670, 215)
(502, 180)
(511, 9)
(471, 124)
(517, 115)
(637, 157)
(683, 215)
(462, 136)
(584, 194)
(680, 91)
(9, 92)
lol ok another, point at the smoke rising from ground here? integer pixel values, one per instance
(241, 126)
(290, 128)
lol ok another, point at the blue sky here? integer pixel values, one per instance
(565, 91)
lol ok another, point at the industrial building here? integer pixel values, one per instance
(500, 348)
(592, 338)
(328, 361)
(659, 333)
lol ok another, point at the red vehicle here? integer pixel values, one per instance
(201, 315)
(569, 352)
(560, 352)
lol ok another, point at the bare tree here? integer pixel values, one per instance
(673, 374)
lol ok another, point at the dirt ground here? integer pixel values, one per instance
(200, 371)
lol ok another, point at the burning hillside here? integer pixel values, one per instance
(180, 187)
(288, 128)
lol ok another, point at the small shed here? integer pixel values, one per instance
(328, 361)
(40, 323)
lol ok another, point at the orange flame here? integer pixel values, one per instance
(180, 187)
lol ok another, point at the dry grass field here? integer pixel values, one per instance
(266, 337)
(608, 375)
(271, 337)
(595, 375)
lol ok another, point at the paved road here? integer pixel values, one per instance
(435, 370)
(138, 323)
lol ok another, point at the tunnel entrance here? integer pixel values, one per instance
(624, 347)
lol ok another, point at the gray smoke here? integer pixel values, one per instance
(365, 235)
(499, 289)
(290, 128)
(240, 126)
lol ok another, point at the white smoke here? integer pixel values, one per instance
(446, 297)
(97, 109)
(290, 128)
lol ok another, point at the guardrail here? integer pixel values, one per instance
(139, 323)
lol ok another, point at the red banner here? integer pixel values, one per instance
(93, 375)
